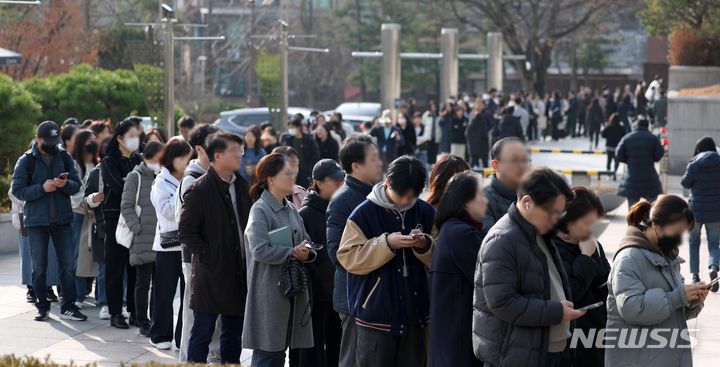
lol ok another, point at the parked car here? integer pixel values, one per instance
(355, 113)
(237, 121)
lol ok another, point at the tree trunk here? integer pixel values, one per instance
(573, 66)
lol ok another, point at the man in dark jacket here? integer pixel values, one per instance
(45, 178)
(478, 135)
(386, 249)
(327, 178)
(510, 161)
(509, 126)
(213, 218)
(521, 311)
(388, 137)
(360, 159)
(640, 150)
(307, 149)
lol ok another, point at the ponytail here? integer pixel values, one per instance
(257, 189)
(639, 214)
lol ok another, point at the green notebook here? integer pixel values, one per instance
(281, 237)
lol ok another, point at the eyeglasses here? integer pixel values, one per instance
(518, 162)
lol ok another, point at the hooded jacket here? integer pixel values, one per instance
(380, 280)
(702, 177)
(321, 270)
(647, 292)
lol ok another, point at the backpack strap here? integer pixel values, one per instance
(194, 175)
(31, 163)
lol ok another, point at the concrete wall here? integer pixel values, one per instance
(689, 119)
(8, 235)
(693, 76)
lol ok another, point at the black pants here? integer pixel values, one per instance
(202, 332)
(326, 333)
(610, 158)
(143, 277)
(168, 271)
(380, 349)
(116, 266)
(555, 130)
(532, 130)
(594, 135)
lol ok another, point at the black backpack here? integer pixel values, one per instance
(31, 162)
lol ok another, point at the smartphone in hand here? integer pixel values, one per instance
(63, 176)
(709, 285)
(590, 307)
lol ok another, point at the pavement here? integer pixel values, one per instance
(94, 341)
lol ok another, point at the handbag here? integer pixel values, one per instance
(169, 239)
(123, 234)
(293, 278)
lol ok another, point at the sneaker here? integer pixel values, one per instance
(161, 345)
(30, 296)
(51, 296)
(125, 313)
(104, 313)
(132, 321)
(144, 328)
(695, 278)
(713, 276)
(41, 315)
(79, 305)
(118, 321)
(72, 313)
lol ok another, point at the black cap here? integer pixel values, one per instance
(49, 132)
(327, 168)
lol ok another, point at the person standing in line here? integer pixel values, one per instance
(168, 258)
(94, 197)
(185, 125)
(432, 131)
(659, 109)
(422, 136)
(639, 150)
(572, 115)
(214, 214)
(138, 185)
(522, 308)
(306, 147)
(478, 135)
(587, 268)
(555, 115)
(275, 321)
(701, 178)
(647, 290)
(386, 248)
(328, 146)
(445, 121)
(196, 168)
(459, 219)
(510, 161)
(521, 113)
(509, 126)
(253, 153)
(299, 192)
(389, 138)
(593, 122)
(119, 160)
(446, 167)
(328, 177)
(625, 110)
(612, 133)
(458, 128)
(360, 158)
(45, 178)
(409, 136)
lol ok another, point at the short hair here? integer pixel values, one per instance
(287, 151)
(518, 101)
(295, 121)
(584, 202)
(643, 122)
(198, 136)
(497, 148)
(152, 149)
(407, 174)
(543, 185)
(354, 150)
(218, 142)
(174, 148)
(186, 122)
(71, 121)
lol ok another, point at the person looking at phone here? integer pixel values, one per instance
(386, 249)
(646, 288)
(586, 266)
(522, 301)
(45, 178)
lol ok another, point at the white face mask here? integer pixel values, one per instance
(292, 131)
(132, 144)
(154, 166)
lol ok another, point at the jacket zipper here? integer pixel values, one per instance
(367, 299)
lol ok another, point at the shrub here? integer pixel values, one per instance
(687, 47)
(20, 114)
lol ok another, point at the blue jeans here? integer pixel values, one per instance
(100, 295)
(61, 236)
(80, 282)
(261, 358)
(712, 230)
(26, 263)
(202, 332)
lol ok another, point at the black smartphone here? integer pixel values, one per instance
(63, 176)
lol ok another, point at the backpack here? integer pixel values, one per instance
(31, 162)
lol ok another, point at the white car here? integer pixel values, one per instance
(355, 113)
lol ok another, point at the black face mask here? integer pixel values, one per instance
(91, 148)
(49, 148)
(669, 245)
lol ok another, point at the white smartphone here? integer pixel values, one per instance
(590, 307)
(709, 285)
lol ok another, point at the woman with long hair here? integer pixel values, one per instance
(253, 153)
(120, 158)
(701, 178)
(327, 145)
(612, 133)
(275, 320)
(459, 217)
(155, 134)
(593, 122)
(444, 169)
(647, 291)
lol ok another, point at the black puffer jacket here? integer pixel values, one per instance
(640, 150)
(512, 309)
(499, 198)
(322, 271)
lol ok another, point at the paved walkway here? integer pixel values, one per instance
(95, 341)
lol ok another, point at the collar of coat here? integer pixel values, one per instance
(526, 227)
(268, 197)
(221, 183)
(635, 237)
(358, 185)
(501, 188)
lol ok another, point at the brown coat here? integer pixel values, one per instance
(208, 229)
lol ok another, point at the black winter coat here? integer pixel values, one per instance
(209, 230)
(613, 134)
(388, 147)
(328, 148)
(309, 153)
(458, 126)
(512, 310)
(499, 198)
(322, 271)
(594, 119)
(451, 294)
(410, 139)
(588, 277)
(113, 168)
(640, 150)
(702, 177)
(509, 127)
(478, 132)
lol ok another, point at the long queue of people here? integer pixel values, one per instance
(340, 262)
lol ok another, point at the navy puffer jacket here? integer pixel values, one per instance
(640, 150)
(702, 177)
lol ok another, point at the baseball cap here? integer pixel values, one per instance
(49, 132)
(327, 168)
